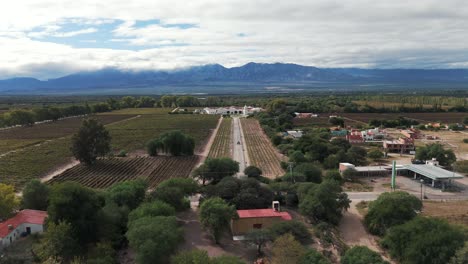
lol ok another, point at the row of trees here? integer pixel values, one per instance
(175, 143)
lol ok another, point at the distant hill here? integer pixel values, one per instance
(215, 75)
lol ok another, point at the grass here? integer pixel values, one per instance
(455, 212)
(362, 207)
(357, 186)
(35, 161)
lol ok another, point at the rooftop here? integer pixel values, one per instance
(256, 213)
(433, 172)
(25, 216)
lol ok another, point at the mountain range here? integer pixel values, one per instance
(213, 76)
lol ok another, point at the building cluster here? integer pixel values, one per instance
(356, 136)
(231, 110)
(305, 115)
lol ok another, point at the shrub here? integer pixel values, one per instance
(362, 255)
(295, 228)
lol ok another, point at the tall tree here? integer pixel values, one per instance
(128, 193)
(444, 156)
(59, 243)
(36, 195)
(286, 250)
(215, 216)
(216, 169)
(90, 142)
(77, 205)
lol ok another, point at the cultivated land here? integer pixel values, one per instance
(109, 171)
(222, 145)
(130, 134)
(261, 152)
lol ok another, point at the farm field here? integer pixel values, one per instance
(261, 152)
(18, 137)
(222, 145)
(455, 212)
(109, 171)
(31, 162)
(421, 117)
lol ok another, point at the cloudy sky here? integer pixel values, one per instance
(50, 38)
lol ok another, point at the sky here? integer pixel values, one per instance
(49, 38)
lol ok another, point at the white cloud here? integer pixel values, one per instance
(324, 33)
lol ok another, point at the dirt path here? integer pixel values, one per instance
(206, 150)
(353, 232)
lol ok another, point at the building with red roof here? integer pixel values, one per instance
(24, 223)
(257, 219)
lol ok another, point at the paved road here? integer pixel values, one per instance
(238, 146)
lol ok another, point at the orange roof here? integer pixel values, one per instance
(256, 213)
(25, 216)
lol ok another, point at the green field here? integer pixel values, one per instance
(29, 162)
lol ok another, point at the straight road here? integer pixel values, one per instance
(239, 151)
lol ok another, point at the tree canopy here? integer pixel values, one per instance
(215, 216)
(286, 250)
(216, 169)
(323, 202)
(423, 240)
(252, 171)
(128, 193)
(312, 256)
(90, 142)
(35, 195)
(175, 143)
(391, 209)
(444, 156)
(8, 201)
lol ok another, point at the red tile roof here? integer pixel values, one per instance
(256, 213)
(25, 216)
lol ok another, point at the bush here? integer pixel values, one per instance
(295, 228)
(461, 166)
(362, 255)
(391, 209)
(151, 209)
(252, 171)
(312, 256)
(465, 140)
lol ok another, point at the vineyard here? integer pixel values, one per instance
(261, 152)
(106, 172)
(222, 145)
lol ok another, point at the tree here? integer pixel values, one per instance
(391, 209)
(128, 193)
(145, 101)
(444, 156)
(286, 250)
(174, 192)
(215, 216)
(461, 256)
(323, 202)
(337, 121)
(91, 141)
(154, 238)
(216, 169)
(423, 240)
(35, 195)
(361, 255)
(259, 237)
(58, 243)
(461, 166)
(8, 201)
(151, 209)
(311, 172)
(334, 175)
(128, 102)
(174, 142)
(252, 171)
(356, 155)
(375, 154)
(312, 256)
(293, 227)
(20, 117)
(276, 106)
(75, 204)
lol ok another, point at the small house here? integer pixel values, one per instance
(26, 222)
(251, 219)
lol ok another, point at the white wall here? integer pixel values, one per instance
(16, 233)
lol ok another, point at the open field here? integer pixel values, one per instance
(261, 152)
(223, 141)
(18, 137)
(31, 162)
(451, 140)
(455, 212)
(109, 171)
